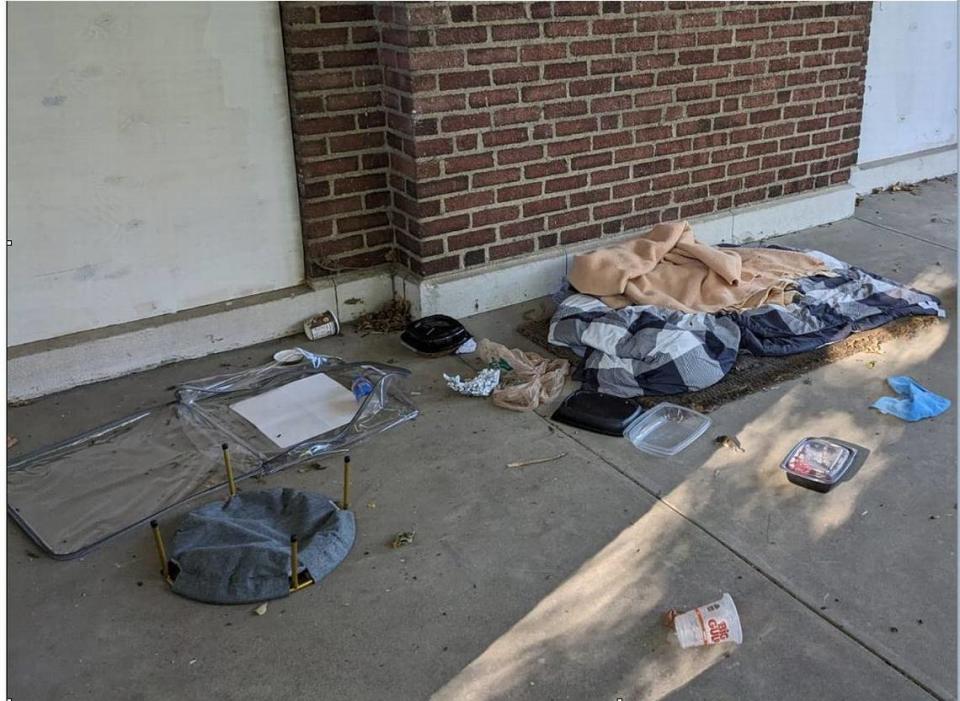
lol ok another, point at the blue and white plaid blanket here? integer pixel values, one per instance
(647, 350)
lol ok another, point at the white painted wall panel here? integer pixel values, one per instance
(910, 103)
(150, 165)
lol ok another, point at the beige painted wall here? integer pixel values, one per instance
(150, 165)
(910, 100)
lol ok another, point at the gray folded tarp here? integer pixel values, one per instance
(239, 552)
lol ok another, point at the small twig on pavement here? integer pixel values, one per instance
(524, 463)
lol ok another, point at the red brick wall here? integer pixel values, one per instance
(334, 77)
(512, 128)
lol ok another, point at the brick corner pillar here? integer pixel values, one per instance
(511, 128)
(334, 82)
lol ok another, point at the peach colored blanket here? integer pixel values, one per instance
(668, 267)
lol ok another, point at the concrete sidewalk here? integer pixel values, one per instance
(548, 582)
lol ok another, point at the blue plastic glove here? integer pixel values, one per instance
(914, 403)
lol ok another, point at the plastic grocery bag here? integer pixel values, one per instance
(534, 380)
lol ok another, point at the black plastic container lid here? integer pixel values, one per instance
(434, 335)
(597, 412)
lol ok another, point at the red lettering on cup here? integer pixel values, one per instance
(718, 630)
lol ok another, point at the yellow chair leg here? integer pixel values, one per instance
(345, 503)
(231, 485)
(161, 551)
(294, 564)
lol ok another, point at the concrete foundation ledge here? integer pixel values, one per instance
(474, 291)
(911, 168)
(42, 367)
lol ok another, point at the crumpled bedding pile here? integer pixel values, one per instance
(666, 314)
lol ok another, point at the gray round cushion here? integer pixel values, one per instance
(239, 552)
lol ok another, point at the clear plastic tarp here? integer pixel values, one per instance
(73, 496)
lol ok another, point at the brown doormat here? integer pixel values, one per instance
(754, 374)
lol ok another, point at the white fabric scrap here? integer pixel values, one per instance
(482, 385)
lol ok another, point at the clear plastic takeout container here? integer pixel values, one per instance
(667, 429)
(818, 463)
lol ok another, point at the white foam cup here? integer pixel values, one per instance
(710, 624)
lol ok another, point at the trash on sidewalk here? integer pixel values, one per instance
(818, 463)
(261, 609)
(898, 186)
(391, 317)
(525, 463)
(914, 403)
(435, 336)
(664, 430)
(469, 346)
(711, 624)
(361, 387)
(482, 385)
(288, 356)
(12, 441)
(534, 380)
(402, 538)
(597, 412)
(140, 465)
(296, 411)
(730, 442)
(667, 429)
(321, 326)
